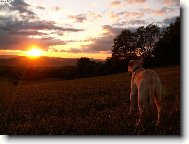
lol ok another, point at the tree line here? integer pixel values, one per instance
(152, 44)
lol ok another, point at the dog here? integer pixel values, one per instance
(147, 85)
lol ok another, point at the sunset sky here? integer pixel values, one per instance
(76, 28)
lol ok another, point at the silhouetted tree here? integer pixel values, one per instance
(85, 67)
(124, 45)
(101, 69)
(146, 37)
(134, 45)
(115, 65)
(167, 49)
(68, 72)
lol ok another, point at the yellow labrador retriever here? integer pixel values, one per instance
(147, 84)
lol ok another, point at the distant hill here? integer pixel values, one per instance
(21, 61)
(7, 56)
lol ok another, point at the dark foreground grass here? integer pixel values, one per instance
(91, 106)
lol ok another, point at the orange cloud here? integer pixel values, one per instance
(113, 16)
(159, 12)
(93, 15)
(78, 18)
(133, 14)
(115, 3)
(135, 1)
(171, 2)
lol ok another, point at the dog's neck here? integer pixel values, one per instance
(136, 69)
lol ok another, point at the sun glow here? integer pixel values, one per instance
(34, 52)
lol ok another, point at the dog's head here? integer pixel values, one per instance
(133, 65)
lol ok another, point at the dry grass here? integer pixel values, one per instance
(93, 106)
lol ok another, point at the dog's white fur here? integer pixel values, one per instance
(148, 85)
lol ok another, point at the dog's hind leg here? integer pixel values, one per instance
(132, 97)
(141, 107)
(142, 94)
(158, 102)
(141, 114)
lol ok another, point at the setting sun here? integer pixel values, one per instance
(34, 52)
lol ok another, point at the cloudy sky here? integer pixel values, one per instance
(76, 28)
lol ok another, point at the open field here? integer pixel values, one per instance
(91, 106)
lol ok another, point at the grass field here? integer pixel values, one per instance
(90, 106)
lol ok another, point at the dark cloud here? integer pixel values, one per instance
(137, 22)
(21, 42)
(5, 19)
(158, 12)
(15, 32)
(34, 24)
(132, 24)
(100, 44)
(40, 7)
(18, 31)
(78, 18)
(168, 9)
(18, 8)
(124, 24)
(105, 42)
(55, 50)
(14, 25)
(28, 33)
(171, 2)
(168, 21)
(74, 50)
(113, 31)
(56, 8)
(154, 12)
(48, 41)
(130, 15)
(22, 8)
(45, 25)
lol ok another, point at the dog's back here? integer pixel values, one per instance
(150, 88)
(153, 85)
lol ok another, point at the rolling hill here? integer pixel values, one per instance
(21, 61)
(87, 106)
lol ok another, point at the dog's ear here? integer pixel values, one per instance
(131, 63)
